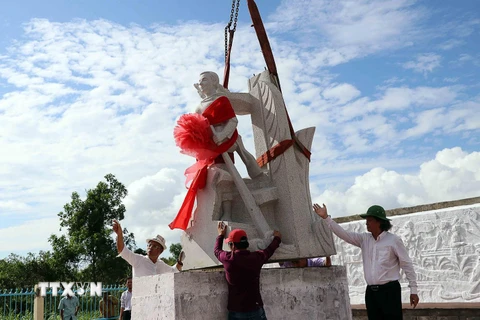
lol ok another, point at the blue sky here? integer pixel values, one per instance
(94, 87)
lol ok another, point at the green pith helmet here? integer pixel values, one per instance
(377, 212)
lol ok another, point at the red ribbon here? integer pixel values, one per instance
(197, 173)
(217, 112)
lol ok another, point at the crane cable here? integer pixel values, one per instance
(229, 33)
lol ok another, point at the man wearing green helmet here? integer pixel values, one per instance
(383, 255)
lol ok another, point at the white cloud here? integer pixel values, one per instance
(466, 27)
(465, 57)
(341, 93)
(453, 174)
(30, 236)
(461, 117)
(393, 81)
(424, 63)
(450, 44)
(403, 98)
(152, 203)
(343, 30)
(12, 205)
(453, 80)
(347, 23)
(401, 113)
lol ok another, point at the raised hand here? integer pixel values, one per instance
(117, 228)
(321, 211)
(221, 228)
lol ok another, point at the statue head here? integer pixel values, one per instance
(208, 84)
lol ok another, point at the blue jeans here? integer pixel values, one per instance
(258, 314)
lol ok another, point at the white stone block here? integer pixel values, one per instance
(290, 293)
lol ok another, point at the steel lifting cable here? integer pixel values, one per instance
(229, 32)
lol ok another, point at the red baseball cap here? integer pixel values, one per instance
(236, 235)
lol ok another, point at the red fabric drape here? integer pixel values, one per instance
(217, 112)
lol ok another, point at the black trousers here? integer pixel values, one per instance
(127, 315)
(384, 302)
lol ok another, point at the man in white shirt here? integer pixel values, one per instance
(150, 264)
(126, 302)
(383, 255)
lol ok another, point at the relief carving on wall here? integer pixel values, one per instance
(444, 246)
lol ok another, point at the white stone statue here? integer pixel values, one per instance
(210, 90)
(275, 197)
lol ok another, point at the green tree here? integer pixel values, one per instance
(175, 249)
(141, 251)
(24, 272)
(87, 245)
(11, 272)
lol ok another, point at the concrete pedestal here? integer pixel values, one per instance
(291, 293)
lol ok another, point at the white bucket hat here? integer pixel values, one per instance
(158, 239)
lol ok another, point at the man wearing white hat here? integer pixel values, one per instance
(150, 264)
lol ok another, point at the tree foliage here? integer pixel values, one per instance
(87, 245)
(175, 249)
(23, 272)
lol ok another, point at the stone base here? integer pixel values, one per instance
(290, 293)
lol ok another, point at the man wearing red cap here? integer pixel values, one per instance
(242, 271)
(383, 254)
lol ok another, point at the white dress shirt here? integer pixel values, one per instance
(143, 266)
(126, 300)
(382, 258)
